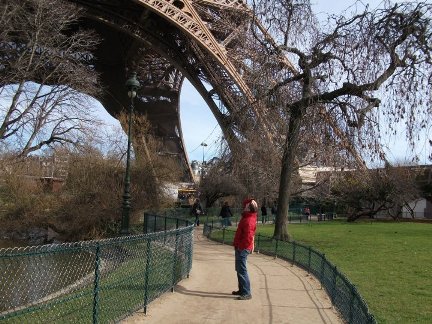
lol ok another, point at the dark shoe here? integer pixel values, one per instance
(244, 297)
(236, 293)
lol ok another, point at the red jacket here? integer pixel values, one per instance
(243, 239)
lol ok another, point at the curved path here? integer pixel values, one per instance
(281, 293)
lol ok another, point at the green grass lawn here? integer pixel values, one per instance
(390, 263)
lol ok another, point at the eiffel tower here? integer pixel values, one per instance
(165, 41)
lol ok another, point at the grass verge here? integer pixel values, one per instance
(390, 263)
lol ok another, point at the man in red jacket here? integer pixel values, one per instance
(244, 245)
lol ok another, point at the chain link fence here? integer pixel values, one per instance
(211, 215)
(343, 294)
(99, 281)
(295, 215)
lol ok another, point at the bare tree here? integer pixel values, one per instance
(383, 193)
(352, 74)
(45, 70)
(251, 169)
(220, 180)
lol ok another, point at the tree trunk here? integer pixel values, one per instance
(286, 178)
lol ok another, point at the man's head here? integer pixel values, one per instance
(250, 205)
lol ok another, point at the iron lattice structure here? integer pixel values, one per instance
(215, 44)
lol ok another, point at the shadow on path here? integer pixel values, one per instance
(181, 290)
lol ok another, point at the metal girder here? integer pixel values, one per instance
(188, 20)
(183, 38)
(231, 4)
(183, 15)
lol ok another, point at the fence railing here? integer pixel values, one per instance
(342, 292)
(211, 215)
(95, 281)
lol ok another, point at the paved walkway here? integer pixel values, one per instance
(281, 293)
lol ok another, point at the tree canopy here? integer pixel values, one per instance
(349, 75)
(45, 72)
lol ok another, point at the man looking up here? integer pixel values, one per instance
(244, 245)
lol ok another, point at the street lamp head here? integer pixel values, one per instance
(203, 162)
(132, 85)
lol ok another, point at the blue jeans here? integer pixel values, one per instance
(226, 221)
(242, 274)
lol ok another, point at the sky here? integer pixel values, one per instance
(200, 126)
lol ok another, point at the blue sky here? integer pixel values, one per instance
(199, 125)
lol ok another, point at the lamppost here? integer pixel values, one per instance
(202, 165)
(132, 85)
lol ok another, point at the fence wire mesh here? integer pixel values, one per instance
(341, 291)
(96, 281)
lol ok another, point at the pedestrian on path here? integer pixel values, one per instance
(307, 213)
(244, 245)
(197, 211)
(226, 214)
(264, 213)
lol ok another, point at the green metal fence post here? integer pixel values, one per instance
(155, 221)
(165, 229)
(351, 304)
(276, 247)
(258, 242)
(190, 252)
(294, 251)
(309, 258)
(322, 269)
(175, 262)
(145, 223)
(333, 294)
(147, 275)
(96, 285)
(223, 235)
